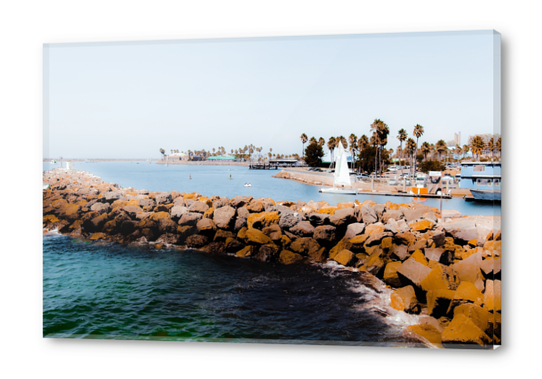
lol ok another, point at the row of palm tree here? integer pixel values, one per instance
(379, 140)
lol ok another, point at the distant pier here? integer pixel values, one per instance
(262, 167)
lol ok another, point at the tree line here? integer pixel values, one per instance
(369, 154)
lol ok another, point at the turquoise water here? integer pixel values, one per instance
(215, 180)
(93, 290)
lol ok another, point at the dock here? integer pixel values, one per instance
(262, 167)
(405, 194)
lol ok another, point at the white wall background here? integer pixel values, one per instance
(26, 25)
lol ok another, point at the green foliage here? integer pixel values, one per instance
(314, 154)
(366, 159)
(431, 165)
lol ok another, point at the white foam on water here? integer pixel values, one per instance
(377, 301)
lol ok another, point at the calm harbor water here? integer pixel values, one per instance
(105, 290)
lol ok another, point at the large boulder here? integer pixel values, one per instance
(224, 217)
(198, 206)
(163, 198)
(240, 201)
(177, 211)
(303, 229)
(342, 217)
(190, 219)
(289, 219)
(368, 215)
(101, 207)
(287, 257)
(112, 196)
(325, 234)
(262, 219)
(412, 272)
(354, 229)
(345, 257)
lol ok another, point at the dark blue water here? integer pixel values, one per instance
(215, 180)
(111, 291)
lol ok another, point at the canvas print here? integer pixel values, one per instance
(337, 190)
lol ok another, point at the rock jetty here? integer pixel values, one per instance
(448, 273)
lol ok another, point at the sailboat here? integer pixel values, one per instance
(341, 176)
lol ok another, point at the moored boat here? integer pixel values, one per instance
(485, 194)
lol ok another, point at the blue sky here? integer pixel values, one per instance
(127, 100)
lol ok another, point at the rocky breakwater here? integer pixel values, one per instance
(448, 273)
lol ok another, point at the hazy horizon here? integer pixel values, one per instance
(129, 99)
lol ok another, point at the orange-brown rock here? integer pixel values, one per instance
(287, 257)
(427, 332)
(413, 272)
(405, 238)
(478, 315)
(402, 298)
(344, 257)
(390, 274)
(305, 246)
(262, 219)
(245, 252)
(98, 236)
(418, 256)
(492, 295)
(343, 244)
(467, 292)
(345, 205)
(439, 279)
(422, 226)
(327, 210)
(274, 232)
(254, 236)
(438, 302)
(463, 330)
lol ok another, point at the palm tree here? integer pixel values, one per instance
(304, 140)
(162, 151)
(426, 149)
(402, 136)
(477, 145)
(465, 150)
(344, 142)
(410, 149)
(363, 143)
(383, 132)
(352, 140)
(458, 151)
(491, 147)
(331, 143)
(321, 141)
(418, 132)
(441, 147)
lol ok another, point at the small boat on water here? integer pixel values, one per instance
(53, 161)
(248, 185)
(341, 177)
(486, 194)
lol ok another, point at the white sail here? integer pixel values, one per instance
(342, 174)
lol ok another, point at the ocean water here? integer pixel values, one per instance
(215, 180)
(110, 291)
